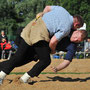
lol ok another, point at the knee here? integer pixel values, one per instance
(46, 62)
(49, 61)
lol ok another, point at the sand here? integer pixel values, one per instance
(70, 80)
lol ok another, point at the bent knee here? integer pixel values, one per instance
(46, 63)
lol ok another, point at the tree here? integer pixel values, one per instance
(8, 17)
(81, 7)
(18, 13)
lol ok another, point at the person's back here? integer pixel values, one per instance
(58, 18)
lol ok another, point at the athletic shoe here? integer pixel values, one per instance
(29, 81)
(22, 81)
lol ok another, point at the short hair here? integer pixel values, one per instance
(84, 34)
(80, 19)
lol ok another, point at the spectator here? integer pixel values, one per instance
(87, 45)
(6, 49)
(3, 35)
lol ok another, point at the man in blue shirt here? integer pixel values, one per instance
(59, 23)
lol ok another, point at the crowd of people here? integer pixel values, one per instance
(6, 46)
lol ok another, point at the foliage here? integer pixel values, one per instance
(18, 13)
(81, 7)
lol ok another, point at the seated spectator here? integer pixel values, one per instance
(3, 35)
(6, 49)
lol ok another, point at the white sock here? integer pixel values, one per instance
(25, 77)
(2, 75)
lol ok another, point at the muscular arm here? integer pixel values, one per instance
(53, 43)
(61, 66)
(47, 9)
(71, 50)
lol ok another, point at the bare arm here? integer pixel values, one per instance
(46, 9)
(61, 66)
(53, 43)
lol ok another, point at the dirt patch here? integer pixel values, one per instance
(66, 81)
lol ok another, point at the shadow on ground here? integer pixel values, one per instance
(62, 79)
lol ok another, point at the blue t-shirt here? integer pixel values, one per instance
(58, 22)
(66, 45)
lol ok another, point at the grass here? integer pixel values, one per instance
(18, 73)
